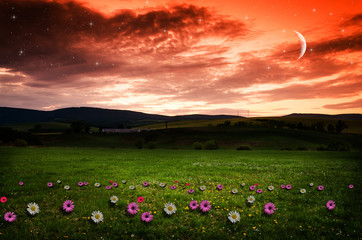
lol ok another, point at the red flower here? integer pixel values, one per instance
(187, 184)
(140, 199)
(176, 181)
(3, 199)
(111, 181)
(256, 184)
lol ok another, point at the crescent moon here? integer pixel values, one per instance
(303, 44)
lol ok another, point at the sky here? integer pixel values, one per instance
(237, 57)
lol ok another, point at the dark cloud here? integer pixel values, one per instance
(347, 105)
(355, 20)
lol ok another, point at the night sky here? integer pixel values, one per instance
(182, 57)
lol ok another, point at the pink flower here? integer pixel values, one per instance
(85, 183)
(282, 186)
(320, 187)
(68, 206)
(220, 187)
(256, 184)
(108, 187)
(140, 199)
(205, 206)
(114, 184)
(193, 205)
(176, 181)
(252, 188)
(146, 217)
(3, 199)
(269, 208)
(187, 184)
(80, 184)
(351, 186)
(132, 208)
(145, 184)
(288, 187)
(330, 205)
(191, 191)
(259, 191)
(111, 181)
(50, 184)
(9, 217)
(173, 187)
(21, 183)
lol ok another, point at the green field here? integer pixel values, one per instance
(301, 216)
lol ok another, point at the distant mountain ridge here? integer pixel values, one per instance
(98, 117)
(353, 116)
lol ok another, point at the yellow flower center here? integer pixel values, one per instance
(234, 216)
(170, 208)
(97, 216)
(33, 208)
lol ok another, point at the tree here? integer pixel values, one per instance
(79, 127)
(340, 126)
(330, 128)
(320, 126)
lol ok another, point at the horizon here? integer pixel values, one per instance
(183, 57)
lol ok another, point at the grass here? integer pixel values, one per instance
(297, 216)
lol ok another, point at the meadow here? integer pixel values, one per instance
(301, 216)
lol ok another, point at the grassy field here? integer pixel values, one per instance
(301, 216)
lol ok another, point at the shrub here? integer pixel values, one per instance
(197, 145)
(338, 146)
(20, 143)
(302, 149)
(139, 143)
(244, 147)
(211, 145)
(151, 145)
(322, 148)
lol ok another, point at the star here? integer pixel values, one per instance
(21, 52)
(314, 10)
(13, 17)
(91, 24)
(97, 63)
(242, 69)
(268, 67)
(164, 30)
(283, 30)
(284, 51)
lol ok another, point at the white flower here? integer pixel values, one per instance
(170, 208)
(303, 190)
(242, 184)
(162, 185)
(311, 184)
(131, 187)
(251, 199)
(234, 216)
(124, 181)
(33, 208)
(271, 188)
(202, 188)
(114, 199)
(58, 181)
(66, 187)
(97, 184)
(234, 191)
(97, 216)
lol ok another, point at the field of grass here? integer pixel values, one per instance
(301, 216)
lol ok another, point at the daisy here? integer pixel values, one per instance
(66, 187)
(234, 191)
(252, 188)
(68, 206)
(205, 206)
(85, 183)
(145, 184)
(220, 187)
(271, 188)
(108, 187)
(170, 208)
(320, 187)
(33, 208)
(256, 184)
(269, 208)
(311, 184)
(234, 216)
(282, 186)
(80, 184)
(9, 217)
(132, 187)
(115, 184)
(187, 184)
(140, 199)
(191, 191)
(176, 181)
(330, 205)
(288, 187)
(50, 184)
(202, 188)
(21, 183)
(59, 182)
(251, 199)
(124, 181)
(193, 205)
(110, 181)
(132, 208)
(114, 199)
(97, 216)
(259, 191)
(351, 186)
(173, 187)
(303, 191)
(3, 199)
(97, 184)
(162, 185)
(242, 184)
(146, 217)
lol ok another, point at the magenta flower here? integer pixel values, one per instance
(220, 187)
(108, 187)
(132, 208)
(193, 205)
(9, 217)
(205, 206)
(173, 187)
(351, 186)
(145, 184)
(114, 184)
(282, 186)
(68, 206)
(147, 217)
(3, 199)
(269, 208)
(330, 205)
(85, 183)
(80, 184)
(259, 191)
(187, 184)
(252, 188)
(288, 187)
(21, 183)
(320, 187)
(140, 199)
(191, 191)
(50, 184)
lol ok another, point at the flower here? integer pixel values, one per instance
(21, 183)
(85, 183)
(320, 187)
(176, 181)
(132, 187)
(50, 184)
(110, 181)
(256, 184)
(162, 185)
(242, 184)
(282, 186)
(68, 206)
(187, 184)
(140, 199)
(114, 199)
(108, 187)
(58, 181)
(193, 205)
(205, 206)
(259, 191)
(173, 187)
(132, 208)
(269, 208)
(191, 191)
(351, 186)
(330, 205)
(145, 184)
(80, 184)
(33, 208)
(202, 188)
(170, 208)
(234, 191)
(97, 216)
(288, 187)
(303, 191)
(3, 199)
(234, 216)
(270, 188)
(124, 181)
(251, 199)
(115, 184)
(220, 187)
(9, 217)
(97, 184)
(252, 188)
(311, 184)
(147, 217)
(66, 187)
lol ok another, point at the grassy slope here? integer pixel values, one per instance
(301, 216)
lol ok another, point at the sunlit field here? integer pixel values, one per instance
(297, 215)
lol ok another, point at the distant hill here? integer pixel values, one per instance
(326, 116)
(94, 116)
